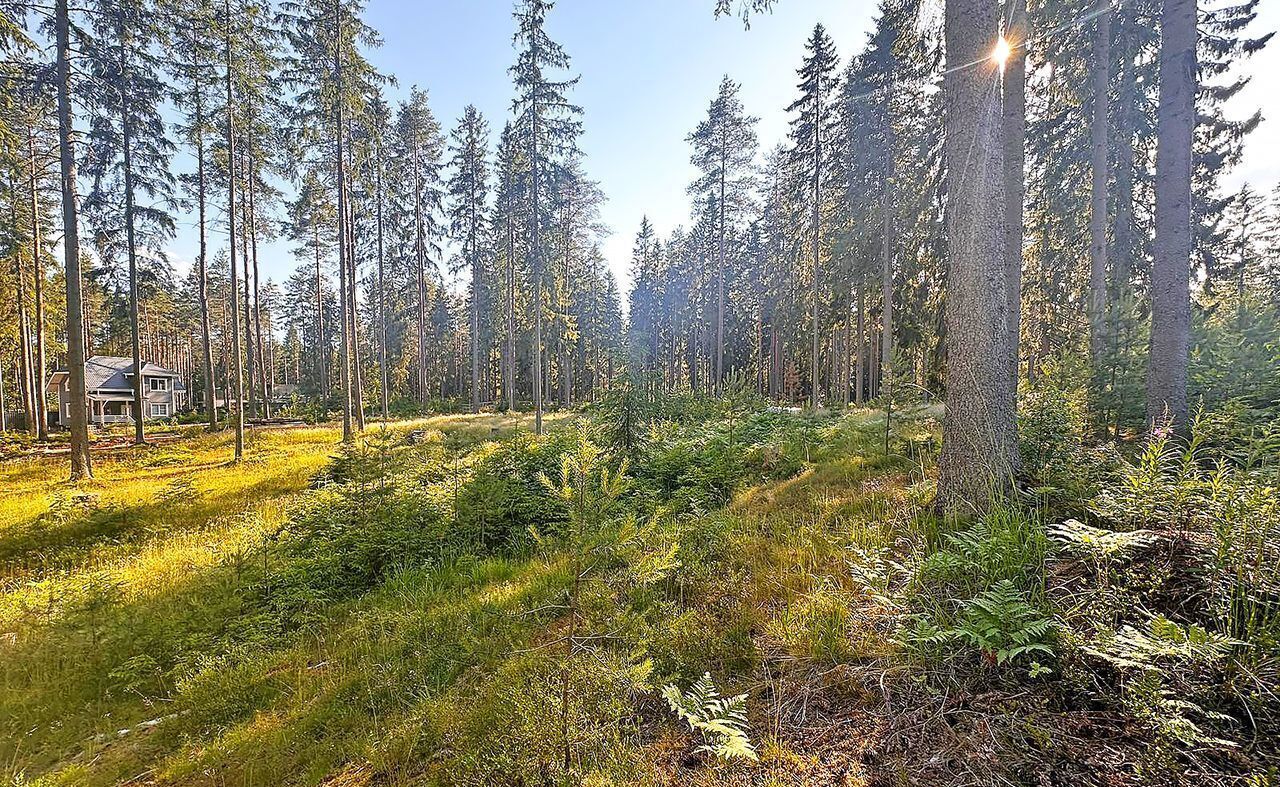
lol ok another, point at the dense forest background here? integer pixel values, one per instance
(813, 266)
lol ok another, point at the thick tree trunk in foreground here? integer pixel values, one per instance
(979, 436)
(1014, 91)
(1171, 268)
(81, 466)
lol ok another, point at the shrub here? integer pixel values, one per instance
(506, 501)
(342, 542)
(1056, 460)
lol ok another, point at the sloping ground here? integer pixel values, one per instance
(417, 621)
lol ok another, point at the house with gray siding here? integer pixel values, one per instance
(109, 385)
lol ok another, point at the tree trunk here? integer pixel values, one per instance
(979, 437)
(81, 465)
(1098, 201)
(1014, 120)
(1126, 124)
(37, 266)
(510, 371)
(126, 141)
(263, 378)
(202, 261)
(357, 370)
(860, 382)
(382, 294)
(886, 272)
(322, 342)
(23, 367)
(720, 263)
(1171, 271)
(344, 351)
(234, 288)
(475, 299)
(421, 274)
(817, 240)
(250, 346)
(536, 242)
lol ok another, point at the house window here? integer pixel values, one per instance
(158, 383)
(159, 410)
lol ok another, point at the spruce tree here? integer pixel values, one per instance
(812, 133)
(724, 150)
(1171, 270)
(129, 154)
(979, 442)
(469, 195)
(195, 29)
(78, 402)
(547, 125)
(420, 148)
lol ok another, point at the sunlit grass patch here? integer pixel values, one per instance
(358, 689)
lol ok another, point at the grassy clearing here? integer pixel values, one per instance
(455, 604)
(107, 584)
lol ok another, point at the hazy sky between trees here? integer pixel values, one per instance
(648, 70)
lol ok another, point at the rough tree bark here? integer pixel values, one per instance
(1014, 120)
(81, 465)
(979, 437)
(1099, 137)
(1171, 267)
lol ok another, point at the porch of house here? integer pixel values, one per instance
(104, 411)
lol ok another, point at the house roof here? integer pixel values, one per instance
(111, 371)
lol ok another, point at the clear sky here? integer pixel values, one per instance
(648, 70)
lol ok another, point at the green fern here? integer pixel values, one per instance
(722, 722)
(1163, 642)
(1098, 544)
(1000, 623)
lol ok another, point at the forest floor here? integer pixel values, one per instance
(313, 618)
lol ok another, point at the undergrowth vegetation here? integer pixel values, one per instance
(700, 592)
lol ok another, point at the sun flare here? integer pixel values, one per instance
(1002, 51)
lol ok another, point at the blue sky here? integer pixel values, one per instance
(648, 70)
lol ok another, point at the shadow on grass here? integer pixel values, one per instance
(235, 681)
